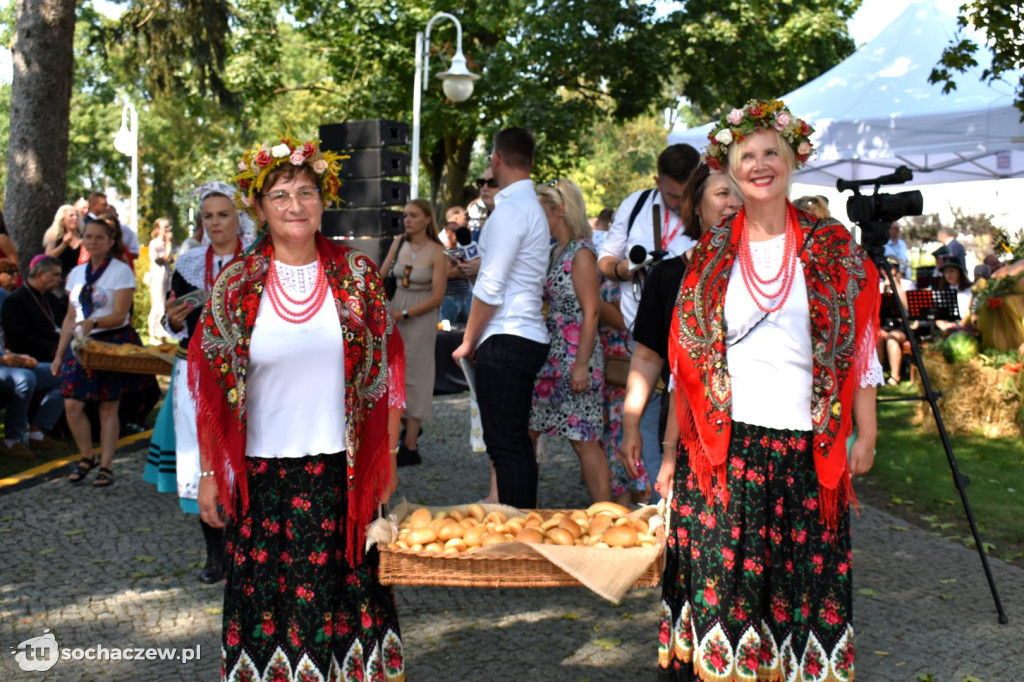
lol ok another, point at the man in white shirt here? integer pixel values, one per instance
(633, 226)
(896, 249)
(506, 332)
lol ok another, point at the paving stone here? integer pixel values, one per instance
(90, 588)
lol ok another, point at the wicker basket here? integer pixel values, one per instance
(137, 363)
(475, 569)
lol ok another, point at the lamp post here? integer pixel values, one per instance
(457, 85)
(126, 141)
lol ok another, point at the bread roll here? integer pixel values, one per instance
(421, 536)
(420, 518)
(476, 511)
(600, 524)
(552, 522)
(474, 535)
(572, 527)
(533, 522)
(469, 523)
(561, 536)
(641, 526)
(616, 510)
(495, 517)
(449, 529)
(456, 514)
(578, 515)
(450, 550)
(458, 543)
(433, 547)
(530, 535)
(492, 538)
(620, 536)
(534, 516)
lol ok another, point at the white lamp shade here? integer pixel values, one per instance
(458, 88)
(124, 141)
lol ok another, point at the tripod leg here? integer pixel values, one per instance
(960, 480)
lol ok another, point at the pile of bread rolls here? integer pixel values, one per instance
(603, 525)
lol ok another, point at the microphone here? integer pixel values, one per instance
(467, 249)
(639, 258)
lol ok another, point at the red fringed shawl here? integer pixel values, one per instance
(842, 290)
(374, 375)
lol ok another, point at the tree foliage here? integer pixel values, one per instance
(1002, 24)
(211, 77)
(726, 53)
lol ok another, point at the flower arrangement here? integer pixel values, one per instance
(257, 163)
(756, 115)
(991, 292)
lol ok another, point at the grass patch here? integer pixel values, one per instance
(912, 479)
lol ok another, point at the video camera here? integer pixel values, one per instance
(874, 214)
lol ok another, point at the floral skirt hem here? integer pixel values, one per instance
(756, 588)
(88, 386)
(294, 608)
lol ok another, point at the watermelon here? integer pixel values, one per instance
(959, 347)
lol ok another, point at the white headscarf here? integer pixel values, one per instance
(246, 227)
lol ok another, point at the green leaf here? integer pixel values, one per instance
(606, 643)
(144, 559)
(867, 592)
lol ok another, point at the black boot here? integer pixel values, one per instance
(213, 572)
(408, 457)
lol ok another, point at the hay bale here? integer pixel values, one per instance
(977, 399)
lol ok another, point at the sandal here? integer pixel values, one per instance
(104, 478)
(893, 381)
(85, 465)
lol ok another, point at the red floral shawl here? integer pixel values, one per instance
(374, 374)
(842, 293)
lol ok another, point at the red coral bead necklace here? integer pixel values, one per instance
(307, 307)
(785, 275)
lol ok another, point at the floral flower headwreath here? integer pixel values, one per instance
(756, 115)
(257, 163)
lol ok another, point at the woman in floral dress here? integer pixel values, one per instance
(772, 355)
(567, 398)
(297, 370)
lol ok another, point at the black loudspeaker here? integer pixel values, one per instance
(375, 247)
(369, 134)
(373, 193)
(367, 222)
(374, 163)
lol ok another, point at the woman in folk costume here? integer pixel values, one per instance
(173, 461)
(297, 371)
(772, 350)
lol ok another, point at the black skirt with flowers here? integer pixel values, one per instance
(294, 608)
(759, 589)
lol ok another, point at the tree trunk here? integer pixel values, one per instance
(37, 149)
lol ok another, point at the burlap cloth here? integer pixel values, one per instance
(608, 572)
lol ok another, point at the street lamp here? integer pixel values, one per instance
(457, 86)
(126, 141)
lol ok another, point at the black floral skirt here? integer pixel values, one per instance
(294, 608)
(759, 589)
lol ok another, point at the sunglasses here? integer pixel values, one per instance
(553, 184)
(405, 276)
(486, 182)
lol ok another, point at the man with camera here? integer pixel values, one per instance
(647, 227)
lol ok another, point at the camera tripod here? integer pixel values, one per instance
(960, 480)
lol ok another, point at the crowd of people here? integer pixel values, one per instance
(709, 342)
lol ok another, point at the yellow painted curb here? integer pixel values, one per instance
(57, 463)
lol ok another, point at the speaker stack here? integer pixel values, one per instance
(374, 189)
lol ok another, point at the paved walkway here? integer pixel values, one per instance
(117, 568)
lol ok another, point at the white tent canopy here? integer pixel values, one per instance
(876, 111)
